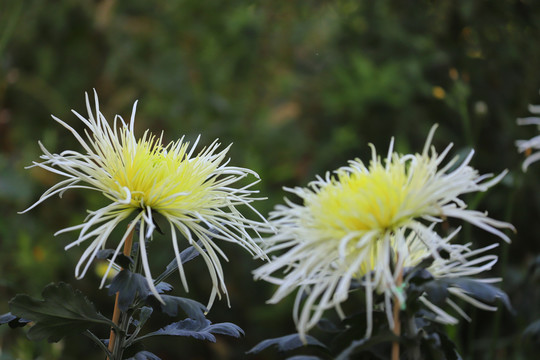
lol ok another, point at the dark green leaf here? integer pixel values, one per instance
(436, 291)
(193, 309)
(417, 275)
(286, 343)
(144, 315)
(163, 287)
(128, 285)
(482, 291)
(63, 311)
(425, 263)
(226, 328)
(198, 330)
(304, 357)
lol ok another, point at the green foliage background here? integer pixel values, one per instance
(299, 87)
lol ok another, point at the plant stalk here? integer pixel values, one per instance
(116, 312)
(397, 322)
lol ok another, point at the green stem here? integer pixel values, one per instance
(100, 343)
(142, 337)
(396, 312)
(168, 273)
(116, 338)
(119, 346)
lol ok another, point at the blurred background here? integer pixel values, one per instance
(299, 88)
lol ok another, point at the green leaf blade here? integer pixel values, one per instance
(63, 311)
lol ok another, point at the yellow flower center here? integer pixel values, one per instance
(376, 199)
(161, 177)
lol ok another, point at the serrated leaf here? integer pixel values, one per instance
(193, 309)
(144, 314)
(63, 311)
(144, 355)
(482, 291)
(227, 328)
(128, 285)
(198, 330)
(436, 291)
(163, 287)
(286, 343)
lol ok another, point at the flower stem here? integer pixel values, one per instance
(116, 312)
(397, 322)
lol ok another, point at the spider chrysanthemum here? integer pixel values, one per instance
(197, 193)
(368, 222)
(527, 146)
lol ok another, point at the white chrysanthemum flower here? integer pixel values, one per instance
(526, 146)
(356, 223)
(196, 193)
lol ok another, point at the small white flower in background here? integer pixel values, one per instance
(194, 192)
(527, 146)
(368, 222)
